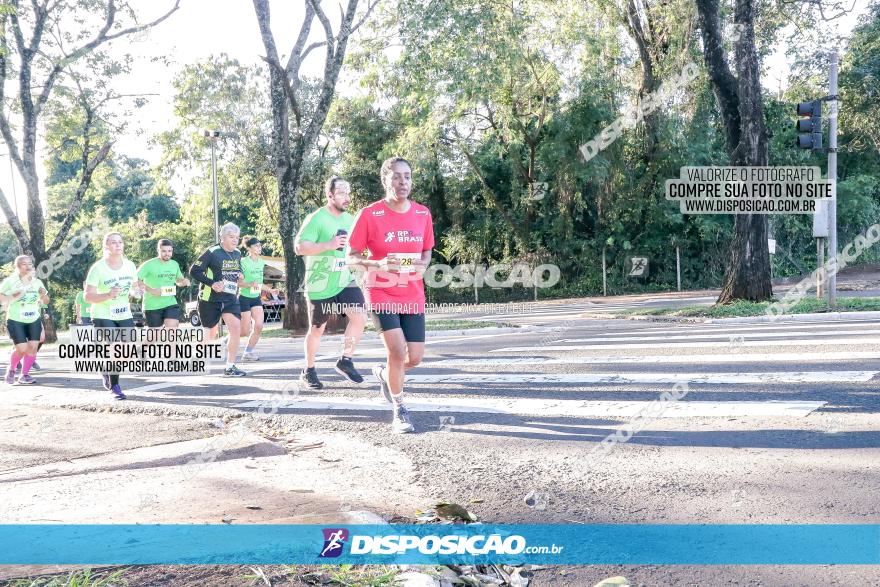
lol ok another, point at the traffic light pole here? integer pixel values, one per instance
(832, 176)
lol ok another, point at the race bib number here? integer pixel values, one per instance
(169, 290)
(405, 260)
(230, 287)
(29, 313)
(255, 290)
(119, 310)
(338, 265)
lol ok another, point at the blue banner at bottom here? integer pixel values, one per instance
(622, 544)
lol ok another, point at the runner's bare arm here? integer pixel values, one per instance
(5, 299)
(93, 297)
(356, 260)
(150, 290)
(304, 248)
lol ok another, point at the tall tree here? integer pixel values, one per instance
(41, 42)
(741, 107)
(41, 62)
(291, 146)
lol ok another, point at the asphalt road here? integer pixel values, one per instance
(779, 424)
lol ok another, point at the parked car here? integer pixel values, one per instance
(137, 315)
(191, 313)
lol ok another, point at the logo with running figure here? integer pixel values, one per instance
(389, 236)
(334, 541)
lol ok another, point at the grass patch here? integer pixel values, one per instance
(350, 575)
(76, 579)
(742, 308)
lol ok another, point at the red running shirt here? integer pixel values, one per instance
(382, 231)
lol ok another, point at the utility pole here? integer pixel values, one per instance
(832, 177)
(678, 267)
(810, 137)
(212, 136)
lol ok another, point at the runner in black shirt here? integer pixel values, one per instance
(218, 269)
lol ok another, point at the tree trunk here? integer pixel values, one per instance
(747, 275)
(290, 149)
(49, 328)
(296, 314)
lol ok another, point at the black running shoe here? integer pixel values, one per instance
(345, 367)
(233, 371)
(310, 377)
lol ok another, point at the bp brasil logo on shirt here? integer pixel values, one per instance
(403, 236)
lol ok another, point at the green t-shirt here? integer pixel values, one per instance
(253, 273)
(85, 308)
(160, 274)
(103, 277)
(25, 309)
(326, 273)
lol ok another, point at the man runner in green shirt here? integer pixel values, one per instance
(160, 276)
(330, 288)
(83, 309)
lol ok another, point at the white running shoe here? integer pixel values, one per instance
(401, 423)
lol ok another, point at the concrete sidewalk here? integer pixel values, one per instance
(73, 466)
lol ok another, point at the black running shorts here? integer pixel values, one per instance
(211, 312)
(21, 332)
(320, 310)
(413, 325)
(156, 318)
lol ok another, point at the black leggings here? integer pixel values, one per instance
(107, 323)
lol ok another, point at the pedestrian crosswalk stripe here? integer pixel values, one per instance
(553, 408)
(692, 334)
(743, 378)
(694, 344)
(648, 359)
(716, 328)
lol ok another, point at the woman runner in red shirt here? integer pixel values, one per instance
(392, 239)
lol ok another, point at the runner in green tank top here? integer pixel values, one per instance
(252, 265)
(22, 293)
(109, 283)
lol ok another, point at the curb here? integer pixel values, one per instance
(760, 319)
(643, 318)
(819, 317)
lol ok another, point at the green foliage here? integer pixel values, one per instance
(491, 102)
(85, 578)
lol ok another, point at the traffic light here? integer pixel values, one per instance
(810, 129)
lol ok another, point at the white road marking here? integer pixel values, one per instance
(691, 335)
(569, 408)
(770, 327)
(649, 359)
(695, 344)
(768, 377)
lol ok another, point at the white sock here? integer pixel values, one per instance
(229, 365)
